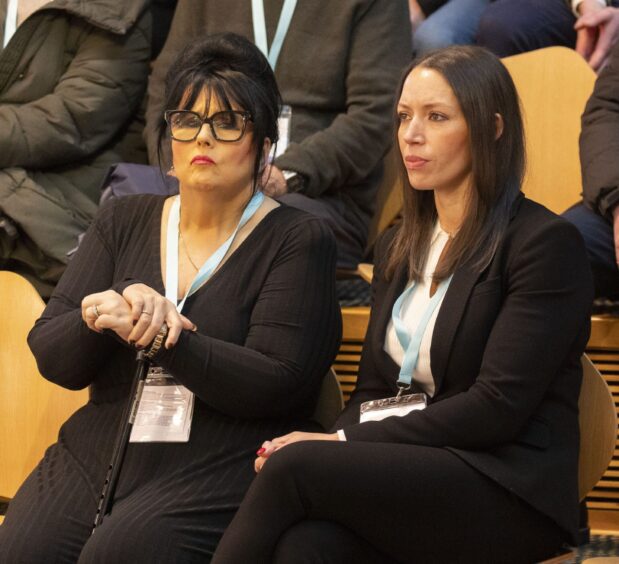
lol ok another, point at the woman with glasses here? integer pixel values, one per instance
(229, 295)
(460, 443)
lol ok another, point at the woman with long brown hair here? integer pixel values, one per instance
(460, 443)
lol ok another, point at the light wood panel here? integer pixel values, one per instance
(554, 85)
(603, 349)
(31, 408)
(598, 428)
(355, 323)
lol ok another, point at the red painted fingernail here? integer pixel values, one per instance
(261, 451)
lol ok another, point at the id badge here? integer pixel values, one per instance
(377, 410)
(283, 126)
(165, 410)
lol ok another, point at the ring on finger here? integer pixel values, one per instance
(144, 312)
(95, 310)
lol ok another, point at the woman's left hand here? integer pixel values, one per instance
(149, 311)
(269, 447)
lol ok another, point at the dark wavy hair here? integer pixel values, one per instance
(483, 88)
(233, 70)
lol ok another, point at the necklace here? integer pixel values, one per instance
(180, 234)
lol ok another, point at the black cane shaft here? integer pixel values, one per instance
(106, 498)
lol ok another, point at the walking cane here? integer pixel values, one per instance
(106, 499)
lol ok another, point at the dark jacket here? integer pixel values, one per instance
(70, 80)
(505, 357)
(599, 141)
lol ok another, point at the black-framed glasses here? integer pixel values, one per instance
(226, 126)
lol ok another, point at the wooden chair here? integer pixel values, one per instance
(554, 85)
(355, 324)
(598, 427)
(31, 408)
(598, 433)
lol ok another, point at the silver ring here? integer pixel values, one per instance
(144, 312)
(95, 309)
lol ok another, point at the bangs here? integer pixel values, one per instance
(221, 90)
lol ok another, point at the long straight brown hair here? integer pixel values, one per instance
(483, 88)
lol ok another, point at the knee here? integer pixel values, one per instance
(299, 466)
(430, 35)
(578, 216)
(288, 461)
(300, 544)
(596, 231)
(128, 542)
(36, 546)
(499, 29)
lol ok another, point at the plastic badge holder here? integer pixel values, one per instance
(165, 410)
(377, 410)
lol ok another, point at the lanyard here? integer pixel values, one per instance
(412, 344)
(171, 277)
(260, 29)
(10, 26)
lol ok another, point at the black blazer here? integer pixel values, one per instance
(505, 357)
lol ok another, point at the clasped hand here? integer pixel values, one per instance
(269, 447)
(136, 316)
(597, 31)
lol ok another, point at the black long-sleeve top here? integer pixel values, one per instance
(268, 329)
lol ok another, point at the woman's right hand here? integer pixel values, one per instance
(149, 311)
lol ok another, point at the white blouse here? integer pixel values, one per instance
(412, 310)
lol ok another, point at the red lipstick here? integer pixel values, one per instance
(202, 160)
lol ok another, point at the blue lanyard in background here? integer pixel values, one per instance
(10, 25)
(260, 29)
(171, 278)
(412, 344)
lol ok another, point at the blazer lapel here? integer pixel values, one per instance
(387, 366)
(447, 321)
(451, 312)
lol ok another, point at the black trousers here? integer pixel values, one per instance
(509, 27)
(375, 503)
(350, 230)
(50, 519)
(597, 232)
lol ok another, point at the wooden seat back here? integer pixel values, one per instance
(554, 85)
(31, 408)
(598, 427)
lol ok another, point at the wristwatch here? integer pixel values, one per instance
(294, 180)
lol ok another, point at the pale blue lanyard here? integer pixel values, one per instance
(171, 285)
(412, 344)
(10, 25)
(260, 28)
